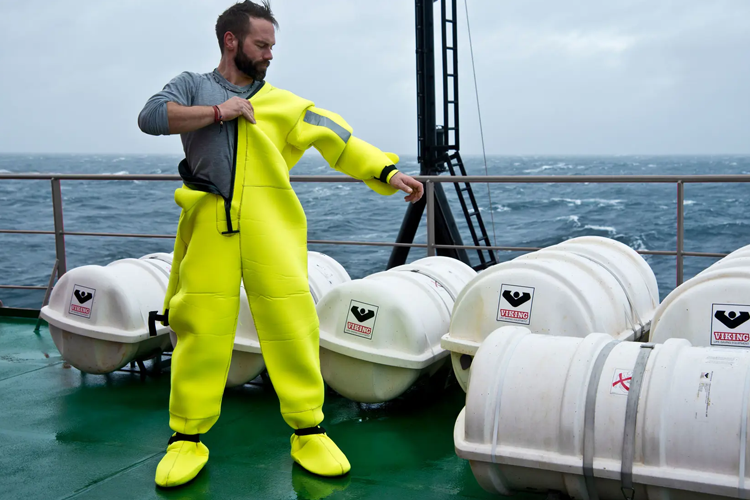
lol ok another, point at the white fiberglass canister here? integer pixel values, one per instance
(740, 252)
(98, 316)
(378, 335)
(740, 258)
(630, 270)
(324, 273)
(582, 285)
(712, 308)
(596, 418)
(729, 262)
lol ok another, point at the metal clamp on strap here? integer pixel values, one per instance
(153, 317)
(631, 412)
(589, 419)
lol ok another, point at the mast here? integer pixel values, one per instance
(438, 145)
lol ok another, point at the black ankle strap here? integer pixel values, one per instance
(308, 431)
(193, 438)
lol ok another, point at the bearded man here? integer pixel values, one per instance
(242, 220)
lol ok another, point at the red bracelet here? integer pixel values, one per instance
(217, 114)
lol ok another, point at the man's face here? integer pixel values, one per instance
(254, 54)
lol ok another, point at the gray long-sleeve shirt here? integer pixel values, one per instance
(209, 151)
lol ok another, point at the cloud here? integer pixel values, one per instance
(554, 77)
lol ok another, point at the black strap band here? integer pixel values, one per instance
(386, 172)
(228, 211)
(193, 438)
(153, 317)
(308, 431)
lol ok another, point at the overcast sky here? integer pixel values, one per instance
(554, 77)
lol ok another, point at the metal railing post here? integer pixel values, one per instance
(430, 193)
(57, 212)
(680, 230)
(47, 293)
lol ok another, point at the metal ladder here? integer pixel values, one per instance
(479, 236)
(451, 138)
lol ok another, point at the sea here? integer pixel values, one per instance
(643, 216)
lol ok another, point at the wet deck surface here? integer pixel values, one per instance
(65, 435)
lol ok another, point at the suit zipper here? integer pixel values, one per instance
(228, 201)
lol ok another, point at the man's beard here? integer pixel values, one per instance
(254, 69)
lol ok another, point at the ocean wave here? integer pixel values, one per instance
(689, 202)
(609, 229)
(569, 201)
(121, 172)
(571, 218)
(559, 166)
(638, 244)
(3, 171)
(601, 202)
(122, 158)
(322, 191)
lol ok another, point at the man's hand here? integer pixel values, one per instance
(235, 107)
(190, 118)
(408, 185)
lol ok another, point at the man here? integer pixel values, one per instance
(241, 219)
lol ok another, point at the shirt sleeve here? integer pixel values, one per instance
(153, 118)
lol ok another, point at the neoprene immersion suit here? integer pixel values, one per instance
(257, 234)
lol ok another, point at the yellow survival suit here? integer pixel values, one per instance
(259, 234)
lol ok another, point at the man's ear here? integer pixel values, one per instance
(230, 41)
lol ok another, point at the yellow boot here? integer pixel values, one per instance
(317, 453)
(185, 458)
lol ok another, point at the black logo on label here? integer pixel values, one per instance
(362, 314)
(82, 296)
(732, 320)
(516, 299)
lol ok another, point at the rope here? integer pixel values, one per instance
(481, 128)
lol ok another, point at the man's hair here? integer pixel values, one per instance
(236, 19)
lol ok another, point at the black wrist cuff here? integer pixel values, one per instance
(386, 172)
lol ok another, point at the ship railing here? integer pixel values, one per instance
(429, 181)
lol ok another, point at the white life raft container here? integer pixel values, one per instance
(587, 284)
(592, 417)
(711, 309)
(378, 335)
(98, 315)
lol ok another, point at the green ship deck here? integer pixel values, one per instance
(64, 434)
